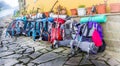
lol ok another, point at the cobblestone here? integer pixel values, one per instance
(43, 51)
(29, 50)
(113, 62)
(22, 53)
(24, 60)
(3, 49)
(5, 53)
(99, 63)
(46, 57)
(31, 64)
(57, 62)
(20, 65)
(35, 55)
(73, 61)
(10, 62)
(85, 62)
(13, 56)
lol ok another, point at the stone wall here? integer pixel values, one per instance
(111, 31)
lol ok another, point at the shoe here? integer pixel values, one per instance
(40, 38)
(55, 44)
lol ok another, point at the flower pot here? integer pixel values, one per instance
(63, 12)
(115, 7)
(73, 11)
(81, 11)
(46, 14)
(101, 9)
(88, 10)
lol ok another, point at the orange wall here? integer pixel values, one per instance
(46, 5)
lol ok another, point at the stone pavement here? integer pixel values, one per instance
(25, 52)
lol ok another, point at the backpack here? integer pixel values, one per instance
(103, 47)
(53, 36)
(14, 28)
(85, 42)
(88, 47)
(45, 36)
(89, 29)
(67, 30)
(45, 25)
(59, 20)
(56, 33)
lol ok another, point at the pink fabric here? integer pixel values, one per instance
(96, 38)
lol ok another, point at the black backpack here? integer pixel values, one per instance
(103, 47)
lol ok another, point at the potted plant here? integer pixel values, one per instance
(115, 7)
(73, 11)
(63, 11)
(88, 10)
(101, 8)
(81, 10)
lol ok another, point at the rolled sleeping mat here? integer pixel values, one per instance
(98, 18)
(50, 19)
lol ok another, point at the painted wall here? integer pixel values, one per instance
(46, 5)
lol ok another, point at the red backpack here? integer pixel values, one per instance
(56, 34)
(59, 20)
(53, 32)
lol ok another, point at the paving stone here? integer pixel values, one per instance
(25, 60)
(80, 65)
(14, 48)
(29, 50)
(13, 45)
(35, 55)
(118, 65)
(113, 62)
(57, 62)
(20, 51)
(79, 55)
(31, 64)
(74, 61)
(39, 48)
(67, 51)
(25, 47)
(13, 56)
(99, 63)
(93, 57)
(49, 49)
(85, 62)
(20, 65)
(46, 57)
(2, 49)
(24, 56)
(103, 54)
(43, 51)
(102, 58)
(10, 62)
(5, 42)
(107, 56)
(1, 62)
(5, 53)
(58, 50)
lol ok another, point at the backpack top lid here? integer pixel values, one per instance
(97, 26)
(59, 20)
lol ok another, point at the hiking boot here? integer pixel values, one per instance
(40, 38)
(55, 44)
